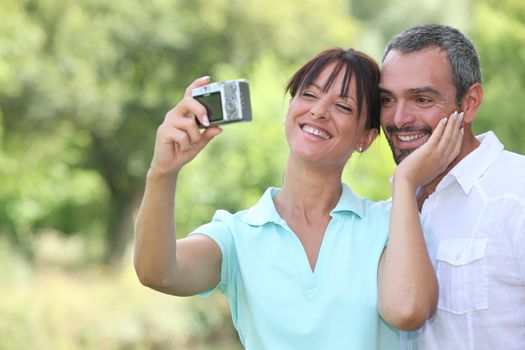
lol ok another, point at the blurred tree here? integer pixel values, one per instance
(89, 81)
(84, 85)
(380, 19)
(499, 35)
(498, 31)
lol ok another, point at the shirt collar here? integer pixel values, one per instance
(264, 211)
(474, 165)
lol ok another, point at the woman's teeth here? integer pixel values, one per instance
(316, 132)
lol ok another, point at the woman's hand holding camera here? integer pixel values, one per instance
(179, 139)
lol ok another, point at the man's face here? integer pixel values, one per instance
(416, 93)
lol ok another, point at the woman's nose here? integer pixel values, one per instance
(319, 111)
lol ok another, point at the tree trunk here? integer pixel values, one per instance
(120, 228)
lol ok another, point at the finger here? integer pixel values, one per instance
(437, 133)
(457, 136)
(200, 112)
(448, 133)
(181, 139)
(196, 83)
(457, 146)
(194, 108)
(183, 117)
(457, 141)
(451, 136)
(189, 126)
(176, 132)
(208, 135)
(188, 107)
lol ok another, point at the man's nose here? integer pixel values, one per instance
(403, 115)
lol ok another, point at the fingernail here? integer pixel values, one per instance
(461, 131)
(444, 120)
(461, 115)
(205, 120)
(204, 77)
(455, 115)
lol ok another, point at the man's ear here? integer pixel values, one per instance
(367, 139)
(471, 102)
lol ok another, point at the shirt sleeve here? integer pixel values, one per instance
(221, 230)
(384, 219)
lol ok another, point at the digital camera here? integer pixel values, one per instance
(225, 101)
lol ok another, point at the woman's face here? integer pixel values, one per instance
(323, 128)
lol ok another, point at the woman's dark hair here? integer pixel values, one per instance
(356, 65)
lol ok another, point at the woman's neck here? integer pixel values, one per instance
(307, 190)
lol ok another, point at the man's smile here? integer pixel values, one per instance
(410, 137)
(404, 141)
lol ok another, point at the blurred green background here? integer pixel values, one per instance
(84, 85)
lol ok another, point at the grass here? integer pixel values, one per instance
(49, 305)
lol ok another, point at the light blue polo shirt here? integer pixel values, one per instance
(277, 302)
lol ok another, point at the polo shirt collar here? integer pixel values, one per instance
(264, 211)
(474, 165)
(349, 202)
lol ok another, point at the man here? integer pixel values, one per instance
(473, 215)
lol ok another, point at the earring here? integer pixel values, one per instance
(360, 149)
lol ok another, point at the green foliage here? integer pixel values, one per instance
(381, 19)
(52, 307)
(368, 173)
(84, 85)
(89, 81)
(500, 37)
(236, 168)
(41, 189)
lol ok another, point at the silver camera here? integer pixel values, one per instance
(225, 101)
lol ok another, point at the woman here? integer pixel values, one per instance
(306, 267)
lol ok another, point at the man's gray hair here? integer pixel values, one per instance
(461, 54)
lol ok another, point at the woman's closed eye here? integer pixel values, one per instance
(345, 108)
(309, 94)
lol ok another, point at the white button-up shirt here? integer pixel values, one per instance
(474, 225)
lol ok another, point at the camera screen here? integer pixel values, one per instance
(213, 105)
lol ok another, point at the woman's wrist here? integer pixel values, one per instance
(154, 176)
(402, 181)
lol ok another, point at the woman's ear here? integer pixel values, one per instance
(366, 140)
(471, 102)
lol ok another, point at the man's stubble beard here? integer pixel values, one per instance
(399, 154)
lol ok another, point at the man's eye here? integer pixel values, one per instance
(386, 100)
(423, 100)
